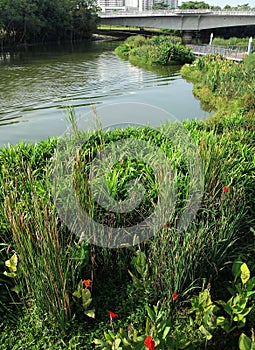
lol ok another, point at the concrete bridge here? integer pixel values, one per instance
(186, 20)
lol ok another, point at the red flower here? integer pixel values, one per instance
(225, 189)
(175, 296)
(112, 314)
(87, 283)
(149, 343)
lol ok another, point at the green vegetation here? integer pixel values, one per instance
(29, 21)
(189, 289)
(226, 86)
(196, 5)
(158, 50)
(233, 41)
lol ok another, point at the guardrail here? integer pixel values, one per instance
(237, 54)
(176, 12)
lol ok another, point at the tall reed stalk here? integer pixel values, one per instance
(42, 249)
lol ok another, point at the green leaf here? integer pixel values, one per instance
(12, 263)
(205, 332)
(250, 284)
(244, 342)
(90, 313)
(77, 294)
(226, 306)
(210, 317)
(236, 268)
(126, 343)
(221, 321)
(166, 331)
(151, 314)
(86, 298)
(245, 273)
(109, 337)
(116, 343)
(99, 342)
(10, 274)
(17, 289)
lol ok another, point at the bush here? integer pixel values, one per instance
(159, 50)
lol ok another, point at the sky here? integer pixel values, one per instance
(222, 3)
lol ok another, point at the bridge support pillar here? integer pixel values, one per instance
(187, 36)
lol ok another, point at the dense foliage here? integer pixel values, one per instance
(161, 50)
(192, 289)
(32, 21)
(196, 5)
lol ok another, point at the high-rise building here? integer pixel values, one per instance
(141, 5)
(111, 5)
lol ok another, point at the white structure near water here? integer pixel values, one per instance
(129, 5)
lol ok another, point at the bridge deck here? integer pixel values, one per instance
(179, 19)
(176, 12)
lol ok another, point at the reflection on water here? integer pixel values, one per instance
(38, 84)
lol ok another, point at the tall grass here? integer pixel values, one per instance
(51, 260)
(46, 251)
(179, 260)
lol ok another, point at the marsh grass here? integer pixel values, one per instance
(53, 259)
(41, 247)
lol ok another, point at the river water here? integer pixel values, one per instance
(40, 84)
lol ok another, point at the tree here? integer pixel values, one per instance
(194, 5)
(30, 21)
(243, 7)
(159, 6)
(216, 8)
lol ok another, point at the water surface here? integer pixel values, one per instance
(39, 84)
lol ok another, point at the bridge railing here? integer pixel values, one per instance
(176, 12)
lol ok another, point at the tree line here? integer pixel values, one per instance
(203, 5)
(33, 21)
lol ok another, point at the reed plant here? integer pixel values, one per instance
(49, 259)
(52, 258)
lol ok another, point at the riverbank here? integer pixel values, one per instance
(172, 287)
(224, 86)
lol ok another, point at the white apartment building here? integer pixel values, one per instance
(129, 5)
